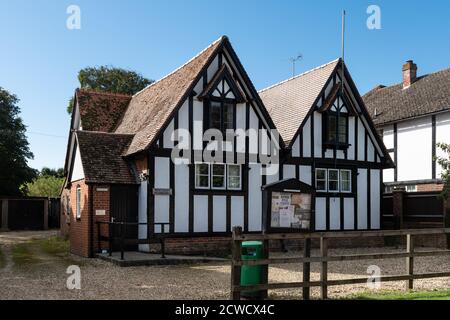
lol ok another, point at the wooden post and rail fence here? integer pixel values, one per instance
(324, 258)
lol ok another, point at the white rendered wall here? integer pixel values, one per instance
(77, 171)
(414, 149)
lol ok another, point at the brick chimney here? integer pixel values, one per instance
(409, 73)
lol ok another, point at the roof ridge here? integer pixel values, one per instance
(299, 75)
(182, 66)
(105, 133)
(107, 93)
(418, 78)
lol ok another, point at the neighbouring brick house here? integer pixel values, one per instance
(412, 117)
(120, 164)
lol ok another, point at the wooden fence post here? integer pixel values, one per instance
(410, 261)
(324, 269)
(398, 198)
(306, 268)
(236, 250)
(265, 269)
(99, 233)
(110, 238)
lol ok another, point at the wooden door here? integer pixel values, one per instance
(124, 208)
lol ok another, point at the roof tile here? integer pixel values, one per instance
(289, 102)
(428, 94)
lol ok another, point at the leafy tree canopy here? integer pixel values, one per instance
(59, 173)
(445, 164)
(45, 186)
(110, 79)
(14, 148)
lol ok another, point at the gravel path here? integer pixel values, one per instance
(46, 279)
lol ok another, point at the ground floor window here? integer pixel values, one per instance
(333, 180)
(321, 180)
(202, 176)
(78, 196)
(218, 176)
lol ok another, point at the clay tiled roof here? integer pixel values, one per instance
(289, 102)
(101, 111)
(101, 156)
(151, 108)
(428, 94)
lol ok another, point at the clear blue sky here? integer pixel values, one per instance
(40, 57)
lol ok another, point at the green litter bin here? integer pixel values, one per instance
(251, 275)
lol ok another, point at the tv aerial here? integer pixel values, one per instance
(293, 60)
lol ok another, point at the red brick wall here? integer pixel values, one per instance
(222, 245)
(430, 187)
(79, 228)
(101, 201)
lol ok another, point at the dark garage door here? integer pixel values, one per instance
(26, 215)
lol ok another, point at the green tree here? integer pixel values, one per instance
(59, 173)
(444, 162)
(110, 79)
(14, 148)
(45, 186)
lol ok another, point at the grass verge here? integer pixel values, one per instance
(398, 295)
(55, 246)
(22, 255)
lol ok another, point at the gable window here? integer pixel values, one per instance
(78, 202)
(218, 176)
(335, 129)
(221, 115)
(333, 180)
(220, 97)
(202, 176)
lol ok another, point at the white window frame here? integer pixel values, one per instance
(326, 180)
(197, 173)
(411, 188)
(225, 177)
(338, 180)
(78, 202)
(240, 177)
(341, 180)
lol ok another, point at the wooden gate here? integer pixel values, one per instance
(413, 210)
(54, 216)
(26, 214)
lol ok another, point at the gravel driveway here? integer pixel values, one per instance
(46, 277)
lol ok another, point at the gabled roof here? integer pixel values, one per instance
(101, 111)
(151, 108)
(101, 156)
(289, 102)
(428, 94)
(222, 73)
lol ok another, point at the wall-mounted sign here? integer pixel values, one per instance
(162, 192)
(100, 212)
